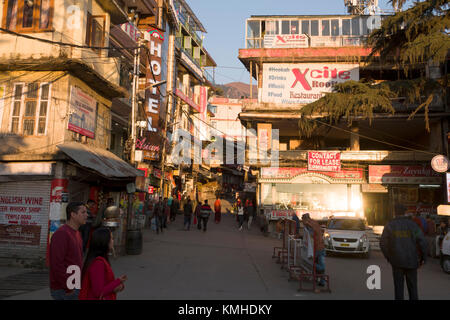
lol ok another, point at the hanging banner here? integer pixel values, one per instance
(448, 187)
(324, 161)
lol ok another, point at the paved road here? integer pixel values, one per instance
(225, 263)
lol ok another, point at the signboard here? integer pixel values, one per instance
(303, 83)
(83, 111)
(20, 235)
(275, 214)
(448, 187)
(403, 175)
(131, 30)
(286, 41)
(187, 100)
(324, 161)
(354, 174)
(151, 189)
(21, 210)
(374, 188)
(151, 141)
(440, 163)
(2, 103)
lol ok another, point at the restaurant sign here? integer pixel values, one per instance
(324, 161)
(403, 175)
(286, 41)
(355, 175)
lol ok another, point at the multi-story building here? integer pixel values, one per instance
(362, 169)
(192, 84)
(65, 85)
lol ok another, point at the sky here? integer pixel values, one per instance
(224, 21)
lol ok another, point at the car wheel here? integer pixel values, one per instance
(446, 264)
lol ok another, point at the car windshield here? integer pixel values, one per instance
(346, 224)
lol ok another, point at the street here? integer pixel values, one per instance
(227, 264)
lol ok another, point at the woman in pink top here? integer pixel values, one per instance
(98, 281)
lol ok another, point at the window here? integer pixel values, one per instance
(272, 27)
(285, 27)
(294, 27)
(253, 29)
(95, 31)
(305, 27)
(346, 27)
(355, 27)
(28, 15)
(314, 27)
(30, 108)
(325, 27)
(335, 27)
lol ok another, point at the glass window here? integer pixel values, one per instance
(26, 15)
(272, 27)
(305, 27)
(285, 27)
(294, 27)
(325, 27)
(355, 27)
(346, 224)
(314, 27)
(253, 29)
(307, 196)
(335, 27)
(346, 27)
(365, 25)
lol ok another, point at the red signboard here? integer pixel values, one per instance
(151, 189)
(403, 175)
(324, 161)
(187, 100)
(289, 173)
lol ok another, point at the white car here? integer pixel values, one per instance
(347, 235)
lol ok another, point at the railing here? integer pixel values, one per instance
(208, 76)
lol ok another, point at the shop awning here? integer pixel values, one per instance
(104, 162)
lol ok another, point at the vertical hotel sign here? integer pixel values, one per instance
(152, 139)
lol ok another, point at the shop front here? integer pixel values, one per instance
(419, 188)
(283, 192)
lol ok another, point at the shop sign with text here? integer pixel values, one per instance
(324, 161)
(303, 83)
(403, 175)
(83, 112)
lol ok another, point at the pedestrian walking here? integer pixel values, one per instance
(66, 249)
(166, 212)
(187, 214)
(251, 212)
(98, 281)
(217, 210)
(205, 212)
(240, 214)
(399, 242)
(174, 209)
(158, 215)
(314, 228)
(197, 218)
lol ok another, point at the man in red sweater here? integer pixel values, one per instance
(66, 249)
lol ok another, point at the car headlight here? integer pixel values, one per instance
(363, 238)
(326, 236)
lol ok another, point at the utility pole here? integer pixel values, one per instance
(137, 61)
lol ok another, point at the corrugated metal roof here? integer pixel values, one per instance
(104, 162)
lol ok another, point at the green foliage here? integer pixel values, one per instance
(414, 36)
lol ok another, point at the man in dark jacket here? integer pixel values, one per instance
(404, 246)
(187, 214)
(205, 212)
